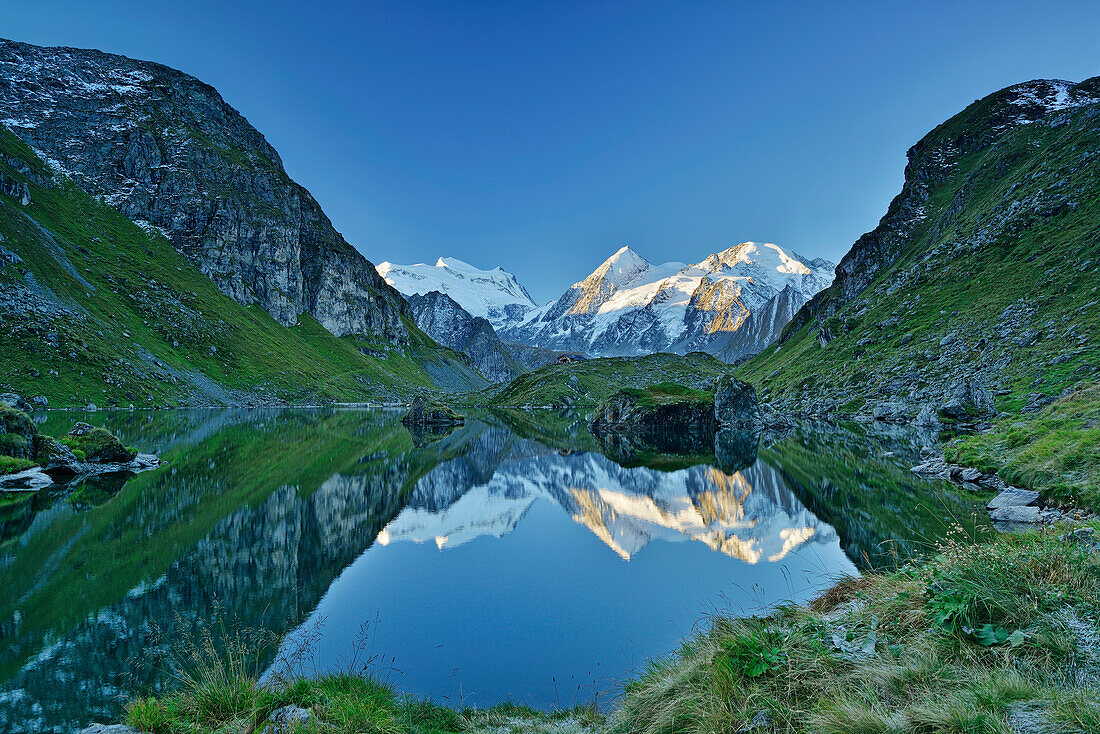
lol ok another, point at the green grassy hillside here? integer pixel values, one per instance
(96, 309)
(986, 269)
(589, 383)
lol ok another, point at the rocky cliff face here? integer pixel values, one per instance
(976, 293)
(452, 326)
(165, 149)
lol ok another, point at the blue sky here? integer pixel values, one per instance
(542, 136)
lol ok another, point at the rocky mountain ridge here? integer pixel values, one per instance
(165, 149)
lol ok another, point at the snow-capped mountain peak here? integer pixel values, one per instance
(621, 268)
(495, 294)
(629, 306)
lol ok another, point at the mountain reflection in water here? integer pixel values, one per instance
(504, 567)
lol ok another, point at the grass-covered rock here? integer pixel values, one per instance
(98, 445)
(17, 432)
(427, 412)
(666, 425)
(664, 406)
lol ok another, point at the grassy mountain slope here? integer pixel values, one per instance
(985, 271)
(96, 309)
(589, 382)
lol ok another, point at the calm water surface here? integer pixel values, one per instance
(512, 559)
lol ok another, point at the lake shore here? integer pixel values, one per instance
(977, 638)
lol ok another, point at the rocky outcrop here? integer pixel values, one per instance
(441, 318)
(17, 433)
(98, 445)
(424, 412)
(735, 404)
(166, 150)
(630, 424)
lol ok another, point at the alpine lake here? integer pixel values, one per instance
(514, 558)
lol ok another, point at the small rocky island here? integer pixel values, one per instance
(427, 413)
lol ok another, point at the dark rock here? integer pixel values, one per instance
(735, 450)
(735, 404)
(626, 411)
(288, 719)
(52, 455)
(14, 401)
(968, 399)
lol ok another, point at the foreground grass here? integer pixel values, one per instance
(968, 642)
(960, 644)
(1056, 452)
(340, 703)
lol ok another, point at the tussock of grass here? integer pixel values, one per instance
(1056, 452)
(958, 644)
(10, 465)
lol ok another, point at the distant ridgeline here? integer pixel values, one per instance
(979, 291)
(154, 251)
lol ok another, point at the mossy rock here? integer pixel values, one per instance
(17, 432)
(425, 412)
(98, 445)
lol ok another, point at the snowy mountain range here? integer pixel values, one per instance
(731, 304)
(629, 306)
(494, 294)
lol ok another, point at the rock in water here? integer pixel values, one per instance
(52, 455)
(735, 404)
(1013, 497)
(99, 445)
(629, 410)
(427, 413)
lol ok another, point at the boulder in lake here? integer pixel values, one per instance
(424, 412)
(52, 455)
(735, 404)
(98, 445)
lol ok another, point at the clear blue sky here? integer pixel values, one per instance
(542, 136)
